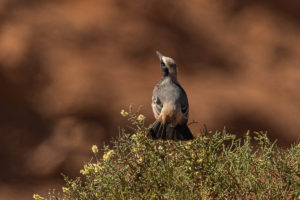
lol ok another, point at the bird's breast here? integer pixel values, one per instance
(171, 114)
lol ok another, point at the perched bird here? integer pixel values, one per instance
(170, 105)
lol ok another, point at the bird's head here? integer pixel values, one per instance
(168, 66)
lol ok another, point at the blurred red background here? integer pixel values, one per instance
(67, 68)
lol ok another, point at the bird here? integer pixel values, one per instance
(170, 105)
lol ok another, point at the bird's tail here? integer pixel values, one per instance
(168, 132)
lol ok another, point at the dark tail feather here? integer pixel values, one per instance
(184, 131)
(169, 132)
(156, 130)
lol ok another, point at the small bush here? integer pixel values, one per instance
(212, 166)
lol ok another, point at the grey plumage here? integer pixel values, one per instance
(170, 105)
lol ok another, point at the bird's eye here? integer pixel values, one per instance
(162, 64)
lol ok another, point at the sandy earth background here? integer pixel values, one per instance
(67, 68)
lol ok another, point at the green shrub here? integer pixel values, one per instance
(212, 166)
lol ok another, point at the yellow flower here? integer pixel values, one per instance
(95, 149)
(97, 167)
(74, 186)
(140, 160)
(160, 148)
(134, 137)
(200, 160)
(124, 113)
(188, 145)
(37, 197)
(260, 160)
(107, 156)
(91, 168)
(171, 154)
(85, 170)
(141, 117)
(66, 190)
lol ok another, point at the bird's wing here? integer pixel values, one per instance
(184, 104)
(156, 105)
(185, 109)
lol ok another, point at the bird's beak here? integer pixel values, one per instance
(159, 55)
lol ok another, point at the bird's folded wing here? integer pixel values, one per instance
(156, 105)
